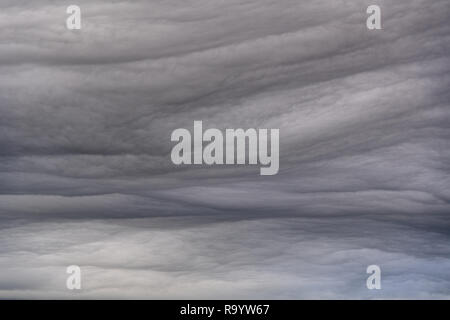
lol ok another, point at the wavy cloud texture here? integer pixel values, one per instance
(85, 170)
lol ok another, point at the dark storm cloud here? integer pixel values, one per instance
(85, 124)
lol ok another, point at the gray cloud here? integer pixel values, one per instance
(85, 170)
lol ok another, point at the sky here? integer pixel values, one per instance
(86, 176)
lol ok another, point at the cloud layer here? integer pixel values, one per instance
(85, 170)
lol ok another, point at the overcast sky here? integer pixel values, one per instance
(85, 170)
